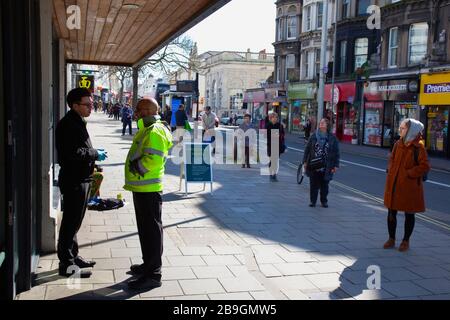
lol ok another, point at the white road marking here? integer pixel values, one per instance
(378, 169)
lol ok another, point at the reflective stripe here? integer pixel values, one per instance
(142, 170)
(154, 151)
(143, 182)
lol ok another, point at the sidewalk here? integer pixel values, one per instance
(376, 152)
(251, 239)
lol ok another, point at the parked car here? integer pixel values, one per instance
(239, 120)
(225, 120)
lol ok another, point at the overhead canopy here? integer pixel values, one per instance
(126, 32)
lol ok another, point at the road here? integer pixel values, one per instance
(366, 176)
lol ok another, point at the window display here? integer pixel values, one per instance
(373, 123)
(437, 135)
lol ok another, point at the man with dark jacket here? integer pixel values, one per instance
(76, 157)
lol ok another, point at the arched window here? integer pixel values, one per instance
(291, 23)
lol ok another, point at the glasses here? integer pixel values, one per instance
(89, 105)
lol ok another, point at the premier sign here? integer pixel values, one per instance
(437, 88)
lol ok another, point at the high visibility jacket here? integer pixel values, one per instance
(144, 167)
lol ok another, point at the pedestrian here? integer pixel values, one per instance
(321, 161)
(127, 119)
(274, 128)
(144, 170)
(245, 126)
(76, 158)
(180, 122)
(307, 129)
(209, 127)
(95, 106)
(408, 164)
(167, 115)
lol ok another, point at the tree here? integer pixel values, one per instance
(178, 54)
(121, 73)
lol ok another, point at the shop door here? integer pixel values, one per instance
(437, 130)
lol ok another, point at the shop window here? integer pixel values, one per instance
(437, 133)
(393, 47)
(418, 38)
(361, 51)
(373, 120)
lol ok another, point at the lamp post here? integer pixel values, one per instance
(323, 56)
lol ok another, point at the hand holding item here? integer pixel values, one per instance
(334, 170)
(102, 154)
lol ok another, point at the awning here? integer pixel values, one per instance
(343, 92)
(121, 32)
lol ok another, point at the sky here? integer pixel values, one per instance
(237, 26)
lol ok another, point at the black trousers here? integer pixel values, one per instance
(125, 124)
(148, 208)
(75, 198)
(247, 155)
(316, 183)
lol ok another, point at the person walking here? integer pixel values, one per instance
(307, 129)
(127, 119)
(76, 157)
(274, 128)
(408, 164)
(167, 115)
(144, 170)
(321, 161)
(180, 122)
(209, 127)
(245, 126)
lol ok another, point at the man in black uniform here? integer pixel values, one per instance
(76, 157)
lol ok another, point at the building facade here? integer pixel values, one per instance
(228, 74)
(413, 75)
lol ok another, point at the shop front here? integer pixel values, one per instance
(386, 104)
(343, 113)
(435, 99)
(301, 97)
(276, 102)
(256, 105)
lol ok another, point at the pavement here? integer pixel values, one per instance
(250, 240)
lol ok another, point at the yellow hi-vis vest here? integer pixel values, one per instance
(144, 167)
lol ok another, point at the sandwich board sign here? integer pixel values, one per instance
(197, 164)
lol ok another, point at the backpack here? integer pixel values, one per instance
(416, 161)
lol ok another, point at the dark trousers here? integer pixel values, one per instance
(125, 124)
(74, 207)
(148, 208)
(247, 155)
(316, 183)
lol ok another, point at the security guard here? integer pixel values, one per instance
(144, 170)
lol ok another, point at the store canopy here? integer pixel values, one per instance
(343, 92)
(121, 32)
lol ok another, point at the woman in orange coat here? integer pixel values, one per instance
(408, 163)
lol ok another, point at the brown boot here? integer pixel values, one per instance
(389, 244)
(404, 246)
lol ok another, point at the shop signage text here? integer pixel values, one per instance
(437, 88)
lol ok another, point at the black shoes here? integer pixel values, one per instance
(273, 178)
(243, 166)
(82, 263)
(67, 270)
(144, 283)
(137, 269)
(312, 205)
(248, 166)
(325, 205)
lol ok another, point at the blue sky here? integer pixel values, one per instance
(239, 25)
